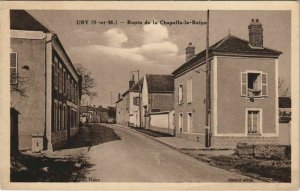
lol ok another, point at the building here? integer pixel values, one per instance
(127, 106)
(157, 101)
(89, 114)
(243, 87)
(285, 114)
(49, 113)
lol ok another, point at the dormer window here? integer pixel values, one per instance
(254, 84)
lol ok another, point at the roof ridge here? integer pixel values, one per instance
(221, 42)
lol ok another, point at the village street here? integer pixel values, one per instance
(128, 156)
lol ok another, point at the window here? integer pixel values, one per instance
(58, 117)
(189, 122)
(254, 121)
(55, 60)
(13, 68)
(180, 122)
(254, 84)
(136, 101)
(180, 94)
(189, 91)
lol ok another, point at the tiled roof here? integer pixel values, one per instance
(285, 102)
(22, 20)
(160, 83)
(135, 88)
(228, 45)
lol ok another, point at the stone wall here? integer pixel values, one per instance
(267, 151)
(231, 141)
(59, 138)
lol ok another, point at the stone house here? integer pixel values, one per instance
(157, 97)
(49, 113)
(243, 87)
(127, 106)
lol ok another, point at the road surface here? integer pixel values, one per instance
(132, 157)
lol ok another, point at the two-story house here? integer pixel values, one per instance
(127, 106)
(157, 96)
(243, 87)
(49, 111)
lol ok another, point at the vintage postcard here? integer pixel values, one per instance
(139, 95)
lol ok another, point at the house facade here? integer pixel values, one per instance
(127, 106)
(243, 92)
(49, 111)
(158, 100)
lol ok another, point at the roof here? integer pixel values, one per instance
(135, 88)
(22, 20)
(228, 45)
(285, 102)
(160, 83)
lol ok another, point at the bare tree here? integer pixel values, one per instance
(18, 84)
(88, 82)
(283, 88)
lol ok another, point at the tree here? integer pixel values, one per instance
(18, 84)
(88, 83)
(283, 88)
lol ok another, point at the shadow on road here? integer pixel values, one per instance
(90, 135)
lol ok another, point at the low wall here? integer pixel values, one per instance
(284, 133)
(277, 152)
(231, 141)
(58, 139)
(160, 122)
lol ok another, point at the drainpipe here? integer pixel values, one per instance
(49, 38)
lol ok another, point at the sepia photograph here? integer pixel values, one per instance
(151, 96)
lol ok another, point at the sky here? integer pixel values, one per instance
(112, 51)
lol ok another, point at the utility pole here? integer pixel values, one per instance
(140, 101)
(208, 99)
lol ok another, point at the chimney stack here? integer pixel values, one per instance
(189, 51)
(119, 96)
(131, 82)
(255, 34)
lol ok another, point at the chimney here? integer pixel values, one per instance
(189, 51)
(131, 82)
(119, 96)
(255, 34)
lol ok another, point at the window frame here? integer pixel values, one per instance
(16, 67)
(178, 101)
(260, 128)
(261, 73)
(189, 94)
(180, 125)
(189, 122)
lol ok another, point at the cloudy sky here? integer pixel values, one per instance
(111, 52)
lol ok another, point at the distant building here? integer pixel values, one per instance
(157, 100)
(49, 113)
(89, 114)
(285, 114)
(243, 87)
(127, 106)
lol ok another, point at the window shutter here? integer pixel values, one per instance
(264, 84)
(189, 91)
(244, 83)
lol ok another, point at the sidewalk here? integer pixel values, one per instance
(173, 142)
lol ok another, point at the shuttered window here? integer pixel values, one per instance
(189, 91)
(180, 94)
(264, 83)
(244, 84)
(13, 68)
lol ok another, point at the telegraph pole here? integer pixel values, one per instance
(208, 99)
(140, 101)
